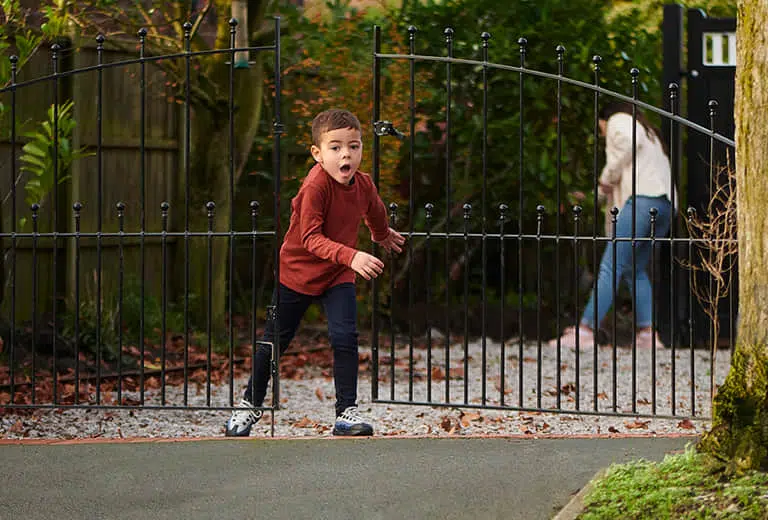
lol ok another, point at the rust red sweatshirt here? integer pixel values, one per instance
(322, 236)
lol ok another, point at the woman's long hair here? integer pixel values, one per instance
(651, 130)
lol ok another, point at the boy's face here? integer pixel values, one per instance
(340, 153)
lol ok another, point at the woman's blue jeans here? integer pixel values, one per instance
(622, 260)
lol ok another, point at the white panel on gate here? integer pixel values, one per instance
(719, 49)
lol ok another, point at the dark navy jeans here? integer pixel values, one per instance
(341, 312)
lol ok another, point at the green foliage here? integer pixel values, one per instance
(581, 27)
(49, 154)
(126, 315)
(684, 486)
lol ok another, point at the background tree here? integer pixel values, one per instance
(739, 431)
(207, 26)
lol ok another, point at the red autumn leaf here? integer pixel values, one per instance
(319, 393)
(18, 427)
(467, 417)
(612, 429)
(438, 374)
(304, 422)
(686, 424)
(634, 425)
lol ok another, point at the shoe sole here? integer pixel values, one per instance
(354, 432)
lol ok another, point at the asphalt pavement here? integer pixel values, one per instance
(374, 478)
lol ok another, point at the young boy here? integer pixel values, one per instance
(318, 261)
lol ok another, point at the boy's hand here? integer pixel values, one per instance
(367, 266)
(393, 241)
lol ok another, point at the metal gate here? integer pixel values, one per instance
(127, 226)
(445, 364)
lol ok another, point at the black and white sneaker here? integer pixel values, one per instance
(239, 425)
(350, 423)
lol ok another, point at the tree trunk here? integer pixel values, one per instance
(739, 431)
(210, 169)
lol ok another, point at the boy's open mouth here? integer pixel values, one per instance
(345, 169)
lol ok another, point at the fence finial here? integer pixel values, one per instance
(448, 32)
(429, 207)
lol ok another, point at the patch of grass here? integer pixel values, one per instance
(689, 485)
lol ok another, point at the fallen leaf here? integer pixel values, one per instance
(319, 393)
(686, 424)
(602, 395)
(18, 427)
(438, 374)
(643, 401)
(467, 417)
(612, 429)
(637, 425)
(304, 422)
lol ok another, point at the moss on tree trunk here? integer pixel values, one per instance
(739, 431)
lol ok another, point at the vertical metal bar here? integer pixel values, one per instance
(502, 288)
(164, 207)
(576, 218)
(467, 215)
(411, 196)
(392, 223)
(522, 42)
(210, 208)
(448, 33)
(673, 153)
(142, 201)
(120, 286)
(254, 205)
(653, 212)
(77, 207)
(278, 132)
(596, 60)
(11, 354)
(55, 57)
(635, 83)
(484, 311)
(187, 196)
(376, 80)
(539, 223)
(691, 217)
(99, 203)
(614, 282)
(560, 50)
(429, 208)
(713, 183)
(35, 214)
(231, 277)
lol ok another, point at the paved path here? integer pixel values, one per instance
(380, 478)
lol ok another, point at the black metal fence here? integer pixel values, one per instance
(444, 364)
(45, 363)
(452, 370)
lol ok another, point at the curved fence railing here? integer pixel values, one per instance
(468, 253)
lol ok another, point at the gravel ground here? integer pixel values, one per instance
(307, 403)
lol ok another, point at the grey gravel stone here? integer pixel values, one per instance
(307, 405)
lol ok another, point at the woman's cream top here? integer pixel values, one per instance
(653, 177)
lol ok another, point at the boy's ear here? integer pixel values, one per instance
(315, 152)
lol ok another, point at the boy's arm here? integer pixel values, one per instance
(311, 219)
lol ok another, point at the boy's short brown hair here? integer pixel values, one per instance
(333, 119)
